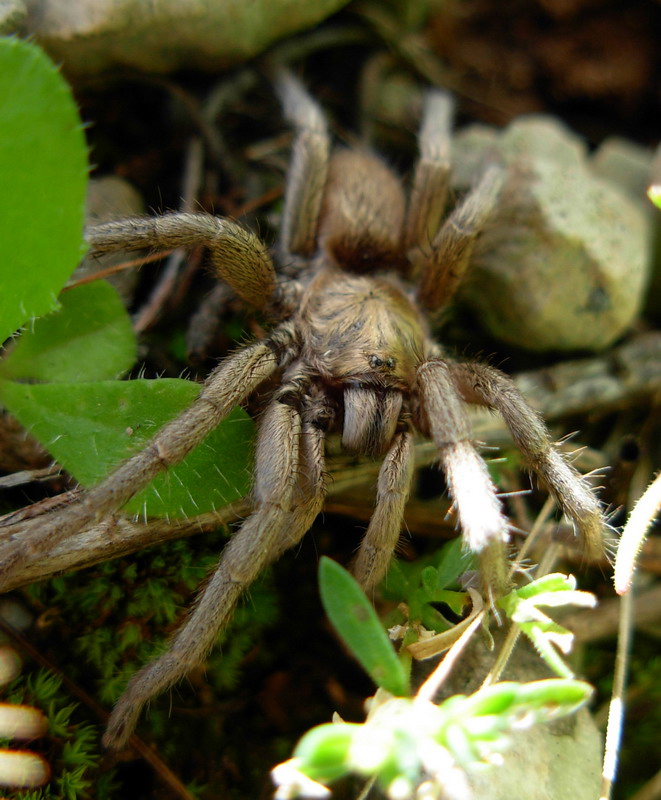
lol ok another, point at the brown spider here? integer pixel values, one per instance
(353, 353)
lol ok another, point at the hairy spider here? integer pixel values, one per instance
(352, 350)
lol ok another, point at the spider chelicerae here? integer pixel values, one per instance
(359, 270)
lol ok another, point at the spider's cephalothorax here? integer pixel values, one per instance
(364, 338)
(360, 265)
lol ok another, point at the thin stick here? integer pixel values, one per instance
(163, 290)
(632, 540)
(367, 788)
(545, 566)
(537, 528)
(30, 475)
(105, 273)
(434, 681)
(503, 656)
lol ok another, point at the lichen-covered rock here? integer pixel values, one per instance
(564, 262)
(623, 163)
(548, 761)
(93, 36)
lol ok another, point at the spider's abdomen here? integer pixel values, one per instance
(362, 213)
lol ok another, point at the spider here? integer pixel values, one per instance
(359, 269)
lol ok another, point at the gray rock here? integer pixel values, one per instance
(110, 198)
(13, 14)
(94, 36)
(548, 761)
(564, 262)
(625, 164)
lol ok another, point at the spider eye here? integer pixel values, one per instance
(376, 361)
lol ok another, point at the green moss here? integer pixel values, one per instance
(71, 746)
(113, 618)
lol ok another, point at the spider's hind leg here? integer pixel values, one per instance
(308, 169)
(486, 386)
(289, 492)
(439, 254)
(443, 264)
(431, 179)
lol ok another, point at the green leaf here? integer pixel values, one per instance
(497, 699)
(90, 428)
(324, 750)
(546, 699)
(476, 725)
(398, 583)
(430, 573)
(90, 336)
(555, 696)
(455, 559)
(554, 582)
(545, 641)
(431, 619)
(404, 740)
(357, 623)
(43, 164)
(428, 580)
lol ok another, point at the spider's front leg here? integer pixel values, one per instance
(486, 386)
(239, 256)
(443, 418)
(289, 493)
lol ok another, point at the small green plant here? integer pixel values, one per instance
(418, 589)
(411, 746)
(425, 583)
(522, 606)
(43, 164)
(60, 373)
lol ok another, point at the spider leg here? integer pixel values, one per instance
(232, 381)
(486, 386)
(430, 189)
(310, 490)
(239, 257)
(443, 418)
(444, 265)
(382, 534)
(307, 171)
(289, 492)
